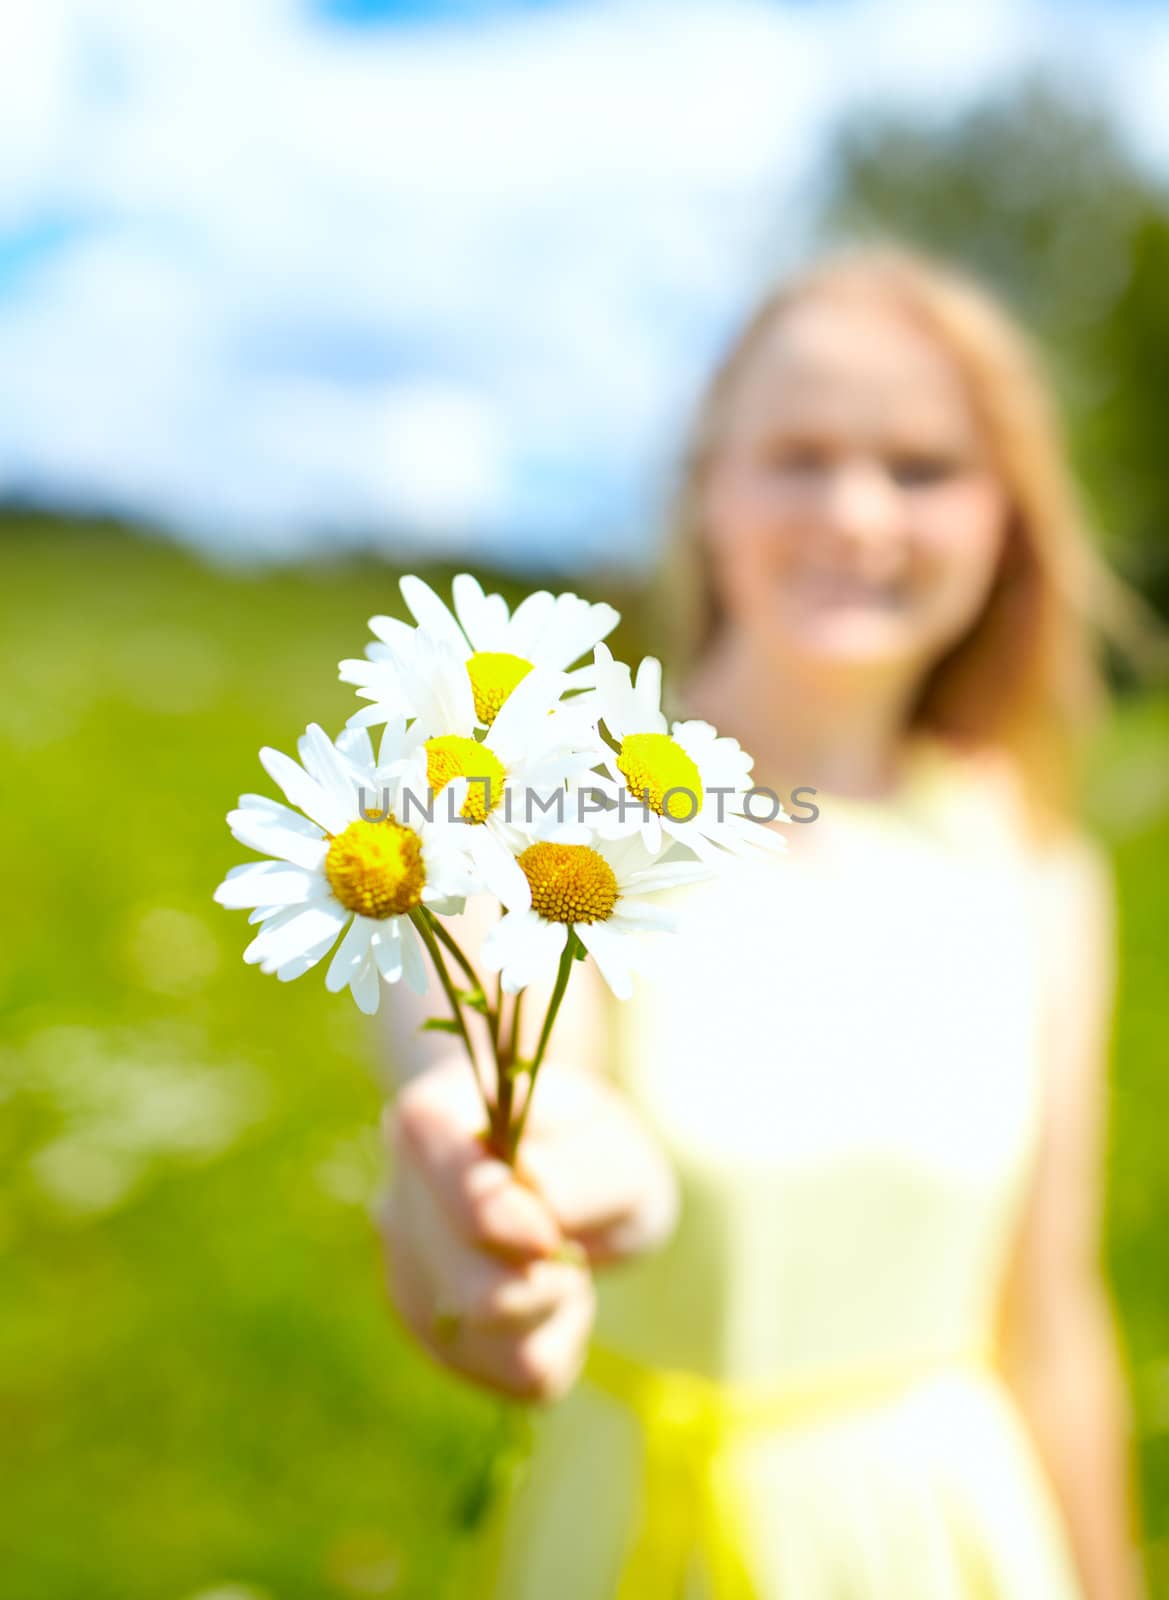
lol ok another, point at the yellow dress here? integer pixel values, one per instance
(795, 1397)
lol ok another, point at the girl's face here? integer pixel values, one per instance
(852, 513)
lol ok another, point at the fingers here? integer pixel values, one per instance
(462, 1277)
(435, 1123)
(549, 1359)
(494, 1296)
(521, 1330)
(587, 1169)
(478, 1253)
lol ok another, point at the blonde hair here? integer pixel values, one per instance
(1027, 677)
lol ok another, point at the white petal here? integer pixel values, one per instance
(440, 690)
(414, 968)
(351, 952)
(759, 834)
(301, 790)
(253, 869)
(295, 966)
(431, 614)
(266, 883)
(695, 734)
(390, 746)
(277, 811)
(512, 947)
(518, 724)
(568, 739)
(571, 630)
(280, 918)
(593, 803)
(277, 944)
(533, 806)
(524, 935)
(546, 943)
(666, 876)
(380, 682)
(250, 829)
(444, 809)
(535, 950)
(449, 905)
(365, 987)
(386, 946)
(357, 670)
(356, 746)
(605, 947)
(501, 873)
(702, 841)
(541, 956)
(528, 625)
(614, 702)
(321, 761)
(499, 940)
(447, 871)
(722, 768)
(648, 688)
(548, 830)
(644, 913)
(369, 716)
(392, 630)
(483, 617)
(628, 857)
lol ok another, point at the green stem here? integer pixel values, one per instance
(513, 1043)
(498, 1015)
(421, 921)
(453, 946)
(562, 973)
(500, 1114)
(491, 1012)
(495, 1021)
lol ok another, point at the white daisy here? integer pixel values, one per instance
(338, 871)
(603, 890)
(513, 773)
(496, 649)
(685, 780)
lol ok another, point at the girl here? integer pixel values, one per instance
(805, 1272)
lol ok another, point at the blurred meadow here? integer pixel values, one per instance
(203, 1392)
(202, 1388)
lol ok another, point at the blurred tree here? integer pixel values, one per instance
(1036, 193)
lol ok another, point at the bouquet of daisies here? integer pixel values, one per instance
(513, 757)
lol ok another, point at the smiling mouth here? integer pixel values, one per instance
(836, 591)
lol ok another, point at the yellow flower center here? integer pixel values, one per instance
(570, 882)
(376, 868)
(450, 755)
(494, 674)
(653, 764)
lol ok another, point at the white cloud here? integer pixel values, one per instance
(446, 279)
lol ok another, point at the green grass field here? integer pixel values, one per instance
(202, 1389)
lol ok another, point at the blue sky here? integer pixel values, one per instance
(446, 272)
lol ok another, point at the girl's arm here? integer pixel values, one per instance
(1059, 1341)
